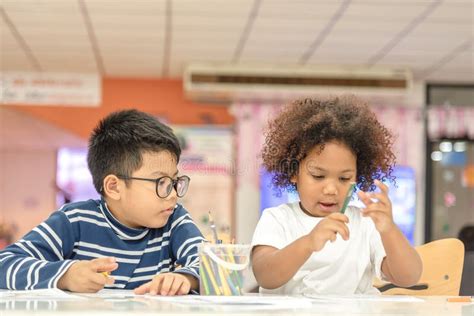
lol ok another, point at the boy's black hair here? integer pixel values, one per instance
(307, 123)
(119, 140)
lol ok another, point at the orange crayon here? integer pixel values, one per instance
(459, 299)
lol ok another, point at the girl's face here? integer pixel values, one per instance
(324, 177)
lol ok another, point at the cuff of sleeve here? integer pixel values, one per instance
(378, 269)
(190, 272)
(62, 271)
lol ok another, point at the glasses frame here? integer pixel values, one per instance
(174, 183)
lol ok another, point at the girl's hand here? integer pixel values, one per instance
(380, 210)
(327, 229)
(166, 284)
(87, 276)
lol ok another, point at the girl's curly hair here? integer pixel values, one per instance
(307, 123)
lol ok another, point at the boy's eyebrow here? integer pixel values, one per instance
(160, 173)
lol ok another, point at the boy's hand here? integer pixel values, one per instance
(379, 211)
(87, 276)
(327, 229)
(168, 284)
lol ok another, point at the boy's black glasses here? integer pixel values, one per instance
(164, 185)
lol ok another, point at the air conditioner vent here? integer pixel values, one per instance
(298, 81)
(220, 82)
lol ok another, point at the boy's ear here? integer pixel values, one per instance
(112, 187)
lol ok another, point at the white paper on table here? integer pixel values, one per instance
(362, 297)
(250, 301)
(111, 294)
(42, 294)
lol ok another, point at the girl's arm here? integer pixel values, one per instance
(275, 267)
(402, 265)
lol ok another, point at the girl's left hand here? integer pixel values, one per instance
(380, 210)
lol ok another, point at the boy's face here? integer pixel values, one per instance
(139, 205)
(324, 178)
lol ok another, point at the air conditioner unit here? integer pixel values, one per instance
(226, 83)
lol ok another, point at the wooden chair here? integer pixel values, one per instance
(442, 270)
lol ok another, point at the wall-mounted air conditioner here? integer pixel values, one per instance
(225, 83)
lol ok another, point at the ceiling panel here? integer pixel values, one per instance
(384, 11)
(12, 56)
(298, 10)
(195, 8)
(146, 38)
(451, 11)
(14, 62)
(8, 41)
(427, 44)
(135, 7)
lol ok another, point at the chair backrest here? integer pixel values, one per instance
(442, 270)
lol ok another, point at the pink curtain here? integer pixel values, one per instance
(450, 122)
(251, 118)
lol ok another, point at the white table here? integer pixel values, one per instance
(94, 304)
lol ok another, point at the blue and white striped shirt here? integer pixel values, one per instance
(87, 230)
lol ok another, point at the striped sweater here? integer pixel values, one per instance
(87, 230)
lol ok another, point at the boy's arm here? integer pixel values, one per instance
(38, 260)
(184, 240)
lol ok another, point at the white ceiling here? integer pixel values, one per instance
(157, 38)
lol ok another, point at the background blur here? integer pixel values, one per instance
(217, 71)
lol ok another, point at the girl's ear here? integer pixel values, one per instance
(112, 187)
(294, 179)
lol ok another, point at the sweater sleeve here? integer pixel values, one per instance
(39, 259)
(185, 238)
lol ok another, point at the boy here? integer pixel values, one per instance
(134, 237)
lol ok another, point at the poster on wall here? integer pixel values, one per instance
(50, 89)
(207, 158)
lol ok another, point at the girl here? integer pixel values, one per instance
(319, 148)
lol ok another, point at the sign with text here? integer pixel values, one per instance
(50, 89)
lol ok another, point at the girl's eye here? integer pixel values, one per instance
(345, 179)
(318, 177)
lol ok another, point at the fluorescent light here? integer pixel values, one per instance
(446, 147)
(436, 156)
(459, 146)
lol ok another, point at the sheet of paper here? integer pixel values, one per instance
(249, 301)
(110, 294)
(43, 294)
(360, 297)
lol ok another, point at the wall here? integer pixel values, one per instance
(27, 179)
(28, 168)
(164, 98)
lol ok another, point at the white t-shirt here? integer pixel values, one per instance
(341, 267)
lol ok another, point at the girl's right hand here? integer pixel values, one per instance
(87, 276)
(327, 229)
